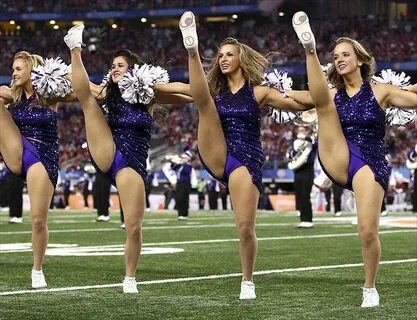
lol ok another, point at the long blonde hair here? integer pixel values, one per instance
(32, 61)
(367, 68)
(253, 66)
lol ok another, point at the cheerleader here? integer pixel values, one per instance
(229, 103)
(29, 139)
(119, 145)
(351, 130)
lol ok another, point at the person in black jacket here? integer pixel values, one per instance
(185, 175)
(101, 194)
(412, 165)
(302, 162)
(15, 198)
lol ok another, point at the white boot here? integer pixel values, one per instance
(38, 279)
(370, 298)
(74, 37)
(189, 31)
(130, 285)
(247, 290)
(301, 26)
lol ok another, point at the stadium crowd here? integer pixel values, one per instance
(104, 5)
(389, 41)
(393, 42)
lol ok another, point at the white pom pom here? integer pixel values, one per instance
(283, 116)
(106, 79)
(394, 116)
(49, 80)
(136, 84)
(278, 79)
(391, 77)
(158, 74)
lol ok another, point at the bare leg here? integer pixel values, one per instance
(40, 190)
(132, 196)
(11, 146)
(211, 141)
(245, 196)
(368, 196)
(333, 149)
(99, 136)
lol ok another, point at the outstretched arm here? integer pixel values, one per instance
(273, 98)
(301, 96)
(6, 94)
(98, 91)
(392, 95)
(173, 87)
(412, 88)
(168, 98)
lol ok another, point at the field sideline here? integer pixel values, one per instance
(191, 269)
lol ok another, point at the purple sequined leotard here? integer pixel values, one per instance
(131, 126)
(38, 124)
(363, 124)
(240, 118)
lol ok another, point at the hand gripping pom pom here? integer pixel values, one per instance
(50, 81)
(136, 84)
(396, 117)
(280, 80)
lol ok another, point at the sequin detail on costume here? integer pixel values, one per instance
(363, 124)
(38, 124)
(240, 118)
(131, 126)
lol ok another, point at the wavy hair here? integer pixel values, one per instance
(367, 68)
(32, 61)
(253, 66)
(113, 93)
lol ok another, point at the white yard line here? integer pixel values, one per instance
(218, 276)
(315, 236)
(187, 226)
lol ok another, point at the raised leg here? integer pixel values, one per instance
(211, 141)
(333, 148)
(11, 146)
(99, 136)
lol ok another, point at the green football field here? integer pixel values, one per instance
(191, 269)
